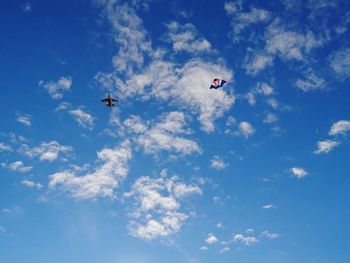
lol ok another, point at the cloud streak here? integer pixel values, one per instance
(101, 182)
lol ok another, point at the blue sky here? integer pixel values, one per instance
(176, 172)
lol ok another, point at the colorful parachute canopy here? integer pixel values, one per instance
(217, 83)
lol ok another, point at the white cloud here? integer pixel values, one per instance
(2, 229)
(56, 89)
(230, 121)
(31, 184)
(192, 92)
(24, 119)
(181, 190)
(257, 62)
(287, 44)
(211, 239)
(269, 206)
(129, 35)
(273, 103)
(245, 240)
(47, 151)
(18, 166)
(157, 209)
(246, 129)
(13, 211)
(266, 234)
(83, 118)
(14, 138)
(271, 118)
(265, 89)
(224, 249)
(261, 89)
(216, 200)
(163, 135)
(203, 248)
(250, 96)
(102, 181)
(343, 26)
(250, 231)
(63, 106)
(233, 7)
(184, 85)
(298, 172)
(136, 124)
(242, 20)
(341, 127)
(220, 225)
(27, 7)
(325, 146)
(310, 82)
(218, 163)
(5, 147)
(184, 38)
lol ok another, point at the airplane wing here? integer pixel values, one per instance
(104, 100)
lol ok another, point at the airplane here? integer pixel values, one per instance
(109, 101)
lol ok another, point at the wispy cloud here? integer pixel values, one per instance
(157, 209)
(325, 146)
(271, 118)
(47, 151)
(217, 163)
(83, 118)
(212, 239)
(165, 81)
(268, 206)
(15, 138)
(245, 240)
(130, 36)
(242, 20)
(340, 62)
(288, 44)
(343, 26)
(224, 249)
(341, 127)
(27, 7)
(262, 89)
(13, 211)
(31, 184)
(298, 172)
(204, 248)
(163, 135)
(18, 166)
(102, 181)
(257, 61)
(184, 38)
(220, 225)
(161, 78)
(56, 89)
(310, 82)
(24, 119)
(246, 129)
(268, 235)
(5, 147)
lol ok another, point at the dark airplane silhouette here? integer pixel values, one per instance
(109, 101)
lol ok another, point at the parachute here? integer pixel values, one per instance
(217, 83)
